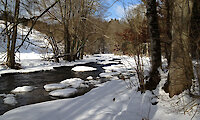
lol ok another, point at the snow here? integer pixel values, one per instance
(84, 86)
(2, 95)
(93, 82)
(63, 92)
(108, 62)
(10, 100)
(36, 37)
(83, 68)
(115, 99)
(111, 101)
(30, 56)
(89, 78)
(23, 89)
(109, 74)
(73, 82)
(54, 86)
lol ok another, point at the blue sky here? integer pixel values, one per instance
(117, 10)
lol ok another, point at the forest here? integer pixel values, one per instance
(75, 60)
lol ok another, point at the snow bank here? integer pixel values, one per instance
(54, 86)
(83, 68)
(110, 101)
(94, 105)
(30, 56)
(63, 92)
(73, 82)
(23, 89)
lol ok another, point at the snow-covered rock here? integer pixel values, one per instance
(108, 62)
(93, 82)
(83, 68)
(10, 95)
(73, 82)
(10, 100)
(84, 86)
(109, 74)
(115, 78)
(63, 92)
(118, 68)
(90, 78)
(2, 95)
(54, 86)
(23, 89)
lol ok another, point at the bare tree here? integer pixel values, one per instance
(11, 51)
(11, 26)
(74, 17)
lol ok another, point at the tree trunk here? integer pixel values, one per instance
(195, 35)
(7, 31)
(180, 71)
(67, 43)
(83, 24)
(195, 29)
(168, 29)
(11, 59)
(154, 34)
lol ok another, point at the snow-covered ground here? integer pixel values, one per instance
(116, 99)
(113, 100)
(30, 55)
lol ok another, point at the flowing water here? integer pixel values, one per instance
(9, 82)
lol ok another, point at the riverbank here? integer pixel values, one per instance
(117, 99)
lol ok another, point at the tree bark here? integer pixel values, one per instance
(180, 71)
(154, 34)
(67, 43)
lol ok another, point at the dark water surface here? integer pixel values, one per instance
(9, 82)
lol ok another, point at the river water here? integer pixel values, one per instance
(9, 82)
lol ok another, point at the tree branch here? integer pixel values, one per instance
(34, 22)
